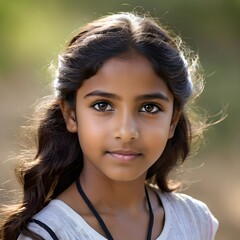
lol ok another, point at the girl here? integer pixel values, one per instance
(107, 143)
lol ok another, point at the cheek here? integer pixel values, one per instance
(155, 138)
(159, 138)
(90, 132)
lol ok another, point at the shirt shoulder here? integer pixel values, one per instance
(187, 216)
(64, 222)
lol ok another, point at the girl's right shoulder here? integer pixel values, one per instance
(63, 222)
(52, 218)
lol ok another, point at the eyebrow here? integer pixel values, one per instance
(102, 94)
(156, 95)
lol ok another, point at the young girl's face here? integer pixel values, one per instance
(124, 117)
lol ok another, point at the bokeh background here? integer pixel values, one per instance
(32, 33)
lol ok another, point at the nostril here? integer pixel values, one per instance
(126, 128)
(127, 135)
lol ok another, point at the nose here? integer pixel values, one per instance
(126, 129)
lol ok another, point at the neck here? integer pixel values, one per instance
(114, 195)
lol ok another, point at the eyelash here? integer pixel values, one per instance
(96, 106)
(156, 107)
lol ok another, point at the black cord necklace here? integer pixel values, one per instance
(100, 220)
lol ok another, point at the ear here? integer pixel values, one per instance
(69, 116)
(174, 122)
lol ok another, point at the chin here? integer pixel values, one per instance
(123, 177)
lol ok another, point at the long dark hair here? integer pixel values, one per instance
(58, 161)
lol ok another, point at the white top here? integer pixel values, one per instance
(185, 219)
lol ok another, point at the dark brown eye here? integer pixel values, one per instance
(150, 108)
(102, 106)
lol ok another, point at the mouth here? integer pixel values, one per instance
(124, 155)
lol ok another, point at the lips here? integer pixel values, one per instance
(124, 155)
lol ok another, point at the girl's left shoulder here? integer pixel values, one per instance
(188, 213)
(187, 204)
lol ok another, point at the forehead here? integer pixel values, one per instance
(131, 74)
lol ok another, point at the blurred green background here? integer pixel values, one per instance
(32, 33)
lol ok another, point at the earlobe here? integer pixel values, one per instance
(175, 119)
(69, 116)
